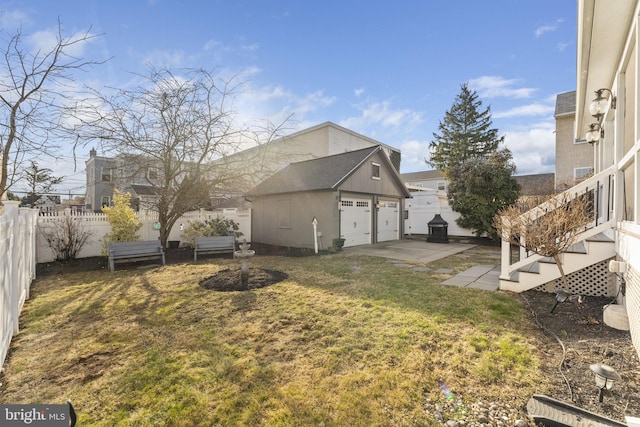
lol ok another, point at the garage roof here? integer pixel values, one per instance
(324, 173)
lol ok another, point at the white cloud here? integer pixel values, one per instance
(547, 28)
(533, 148)
(45, 41)
(213, 44)
(535, 109)
(414, 153)
(496, 86)
(166, 58)
(14, 19)
(358, 92)
(276, 103)
(382, 114)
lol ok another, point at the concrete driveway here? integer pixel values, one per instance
(409, 250)
(404, 252)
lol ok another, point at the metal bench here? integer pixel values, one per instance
(214, 245)
(142, 250)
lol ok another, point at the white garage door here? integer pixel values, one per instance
(388, 221)
(355, 221)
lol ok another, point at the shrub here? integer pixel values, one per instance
(66, 237)
(219, 226)
(123, 219)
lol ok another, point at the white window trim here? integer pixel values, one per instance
(575, 172)
(374, 164)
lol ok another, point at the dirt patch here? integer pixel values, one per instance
(575, 337)
(230, 280)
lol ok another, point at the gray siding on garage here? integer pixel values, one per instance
(285, 204)
(362, 182)
(268, 226)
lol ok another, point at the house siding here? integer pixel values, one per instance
(569, 154)
(304, 207)
(611, 62)
(361, 180)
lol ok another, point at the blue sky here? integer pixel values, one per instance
(388, 70)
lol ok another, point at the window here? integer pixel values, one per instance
(284, 214)
(105, 201)
(152, 173)
(582, 173)
(106, 173)
(442, 186)
(375, 170)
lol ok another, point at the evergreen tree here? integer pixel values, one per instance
(480, 174)
(465, 132)
(480, 186)
(40, 181)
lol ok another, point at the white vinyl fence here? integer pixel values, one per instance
(17, 267)
(22, 246)
(99, 226)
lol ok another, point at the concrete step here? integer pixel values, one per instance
(583, 254)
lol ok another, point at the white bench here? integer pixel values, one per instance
(214, 245)
(142, 250)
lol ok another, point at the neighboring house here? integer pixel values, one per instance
(257, 163)
(607, 100)
(100, 184)
(574, 156)
(105, 174)
(425, 180)
(46, 204)
(357, 196)
(244, 170)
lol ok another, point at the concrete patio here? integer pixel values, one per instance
(409, 252)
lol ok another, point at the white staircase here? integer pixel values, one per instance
(593, 246)
(540, 270)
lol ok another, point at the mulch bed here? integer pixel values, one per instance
(230, 280)
(586, 340)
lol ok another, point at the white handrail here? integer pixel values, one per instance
(599, 224)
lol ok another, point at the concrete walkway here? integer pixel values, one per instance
(407, 253)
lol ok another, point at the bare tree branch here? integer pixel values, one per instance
(32, 97)
(549, 228)
(181, 125)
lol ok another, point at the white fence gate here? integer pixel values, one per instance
(17, 267)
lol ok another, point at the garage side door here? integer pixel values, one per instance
(355, 221)
(388, 221)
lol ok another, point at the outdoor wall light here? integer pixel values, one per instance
(595, 133)
(599, 105)
(605, 377)
(561, 296)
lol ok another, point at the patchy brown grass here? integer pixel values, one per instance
(345, 340)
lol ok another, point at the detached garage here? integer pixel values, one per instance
(356, 196)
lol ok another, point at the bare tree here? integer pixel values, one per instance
(32, 93)
(547, 229)
(66, 236)
(174, 134)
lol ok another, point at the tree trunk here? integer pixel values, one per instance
(565, 282)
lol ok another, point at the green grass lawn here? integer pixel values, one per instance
(345, 340)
